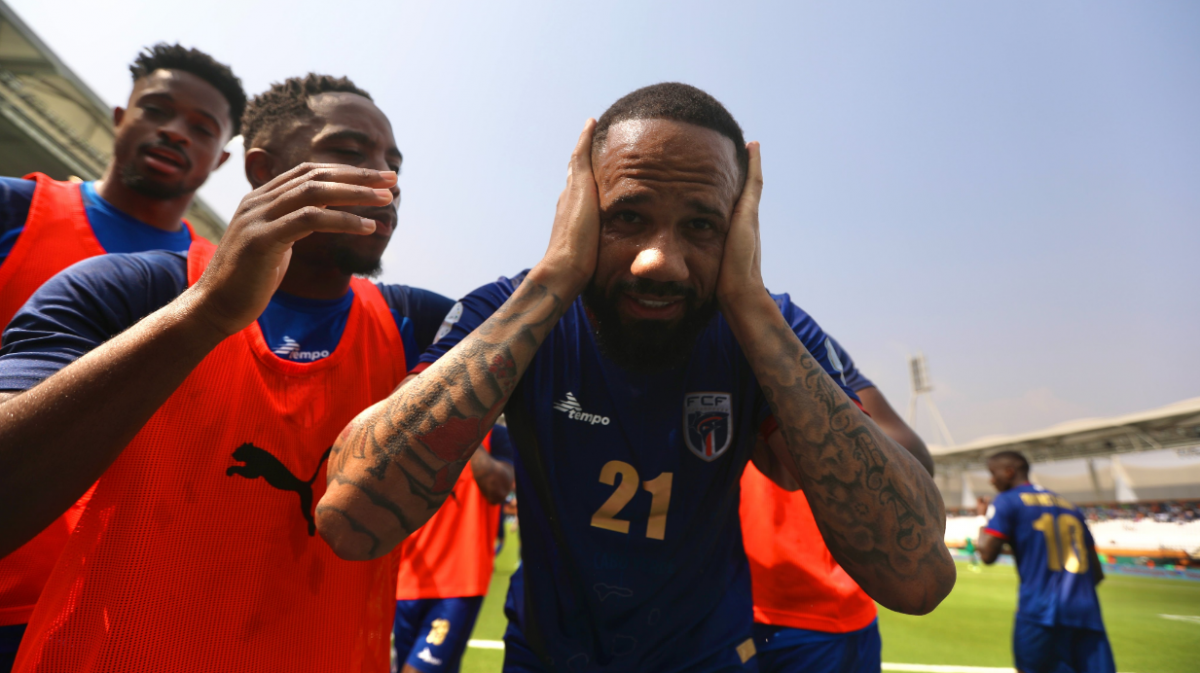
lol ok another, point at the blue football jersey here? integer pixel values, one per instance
(628, 485)
(1050, 541)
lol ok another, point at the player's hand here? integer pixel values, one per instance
(570, 259)
(741, 265)
(254, 253)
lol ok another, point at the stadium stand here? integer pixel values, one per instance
(51, 122)
(1146, 529)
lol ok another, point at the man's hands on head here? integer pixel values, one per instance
(254, 253)
(570, 259)
(878, 509)
(741, 264)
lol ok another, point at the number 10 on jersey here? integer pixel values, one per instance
(658, 487)
(1065, 545)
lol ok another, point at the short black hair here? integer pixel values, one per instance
(288, 100)
(1014, 456)
(677, 102)
(163, 56)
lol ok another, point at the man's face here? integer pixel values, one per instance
(1003, 475)
(172, 135)
(667, 192)
(347, 129)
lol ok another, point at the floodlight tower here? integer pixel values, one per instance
(922, 388)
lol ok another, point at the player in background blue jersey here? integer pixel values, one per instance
(637, 364)
(1058, 626)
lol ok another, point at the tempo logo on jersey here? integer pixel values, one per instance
(574, 411)
(708, 423)
(290, 350)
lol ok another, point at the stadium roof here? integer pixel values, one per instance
(1174, 426)
(50, 121)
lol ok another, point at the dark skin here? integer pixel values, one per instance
(345, 129)
(1007, 474)
(173, 134)
(664, 202)
(495, 478)
(81, 418)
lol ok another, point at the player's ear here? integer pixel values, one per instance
(261, 167)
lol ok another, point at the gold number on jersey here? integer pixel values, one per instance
(606, 516)
(660, 494)
(1065, 545)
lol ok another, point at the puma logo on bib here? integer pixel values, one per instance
(260, 463)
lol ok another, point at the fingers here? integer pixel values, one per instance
(581, 157)
(330, 173)
(752, 191)
(306, 193)
(296, 225)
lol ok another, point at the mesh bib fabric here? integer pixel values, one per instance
(56, 235)
(197, 551)
(795, 580)
(451, 555)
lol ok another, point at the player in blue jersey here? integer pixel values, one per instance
(1058, 626)
(637, 364)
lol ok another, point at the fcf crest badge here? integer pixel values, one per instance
(708, 423)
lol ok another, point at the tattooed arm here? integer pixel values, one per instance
(396, 463)
(877, 508)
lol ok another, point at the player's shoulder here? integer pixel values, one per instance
(17, 188)
(496, 292)
(120, 283)
(1033, 495)
(1010, 497)
(802, 322)
(16, 195)
(133, 269)
(408, 300)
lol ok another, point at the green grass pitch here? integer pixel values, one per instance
(973, 627)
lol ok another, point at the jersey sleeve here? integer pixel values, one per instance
(16, 195)
(423, 309)
(844, 365)
(822, 347)
(1000, 518)
(462, 319)
(502, 448)
(82, 307)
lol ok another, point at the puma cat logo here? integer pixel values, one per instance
(260, 463)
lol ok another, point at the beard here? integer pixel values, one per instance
(353, 263)
(147, 186)
(647, 346)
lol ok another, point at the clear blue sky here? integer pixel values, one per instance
(1013, 188)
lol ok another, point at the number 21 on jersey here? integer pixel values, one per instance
(660, 493)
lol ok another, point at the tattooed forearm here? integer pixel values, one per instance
(396, 463)
(878, 510)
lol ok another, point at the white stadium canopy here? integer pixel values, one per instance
(1150, 455)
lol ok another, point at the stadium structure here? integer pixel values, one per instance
(1136, 476)
(51, 122)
